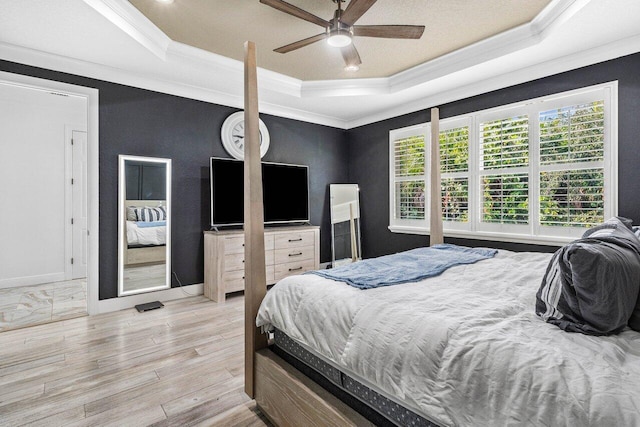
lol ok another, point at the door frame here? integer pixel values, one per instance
(92, 97)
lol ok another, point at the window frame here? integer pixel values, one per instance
(398, 224)
(533, 232)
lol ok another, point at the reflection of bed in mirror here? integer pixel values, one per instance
(146, 238)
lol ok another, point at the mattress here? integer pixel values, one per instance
(145, 236)
(387, 412)
(464, 348)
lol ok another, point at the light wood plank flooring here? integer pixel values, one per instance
(181, 365)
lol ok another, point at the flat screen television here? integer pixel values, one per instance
(285, 192)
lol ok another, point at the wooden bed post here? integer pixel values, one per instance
(254, 266)
(436, 235)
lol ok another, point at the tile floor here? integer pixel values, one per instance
(33, 305)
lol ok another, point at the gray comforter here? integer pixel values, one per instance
(464, 348)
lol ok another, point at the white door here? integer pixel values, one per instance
(79, 204)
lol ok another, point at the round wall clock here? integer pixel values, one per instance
(233, 136)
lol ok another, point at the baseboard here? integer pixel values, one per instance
(122, 303)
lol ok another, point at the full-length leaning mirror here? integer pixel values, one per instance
(144, 224)
(345, 223)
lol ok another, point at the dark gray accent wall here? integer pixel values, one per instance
(369, 150)
(145, 123)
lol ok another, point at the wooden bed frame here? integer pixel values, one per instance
(282, 393)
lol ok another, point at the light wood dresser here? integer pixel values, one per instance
(288, 251)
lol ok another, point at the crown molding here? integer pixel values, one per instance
(438, 92)
(125, 16)
(190, 72)
(526, 35)
(555, 14)
(232, 97)
(129, 19)
(350, 87)
(231, 68)
(441, 92)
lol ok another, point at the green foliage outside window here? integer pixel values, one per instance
(572, 135)
(505, 143)
(454, 157)
(410, 200)
(455, 199)
(409, 156)
(506, 199)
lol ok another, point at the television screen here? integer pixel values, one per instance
(285, 192)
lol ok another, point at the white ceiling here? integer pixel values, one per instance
(222, 26)
(112, 40)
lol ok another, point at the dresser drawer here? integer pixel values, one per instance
(234, 262)
(234, 280)
(235, 244)
(295, 247)
(294, 239)
(292, 268)
(283, 256)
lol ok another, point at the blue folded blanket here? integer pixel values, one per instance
(147, 224)
(403, 267)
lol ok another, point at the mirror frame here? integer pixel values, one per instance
(357, 224)
(122, 194)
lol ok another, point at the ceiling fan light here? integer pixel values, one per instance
(165, 1)
(339, 38)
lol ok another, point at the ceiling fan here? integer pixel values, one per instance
(340, 30)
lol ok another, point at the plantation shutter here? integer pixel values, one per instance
(572, 165)
(540, 170)
(454, 170)
(504, 161)
(409, 178)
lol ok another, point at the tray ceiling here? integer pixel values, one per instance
(222, 26)
(114, 41)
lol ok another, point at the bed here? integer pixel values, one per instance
(146, 232)
(462, 348)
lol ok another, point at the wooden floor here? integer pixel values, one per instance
(181, 365)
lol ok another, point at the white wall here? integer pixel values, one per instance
(32, 182)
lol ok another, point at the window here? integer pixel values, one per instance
(572, 172)
(407, 150)
(454, 170)
(538, 171)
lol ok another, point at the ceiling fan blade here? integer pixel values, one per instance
(389, 31)
(285, 7)
(350, 55)
(355, 10)
(301, 43)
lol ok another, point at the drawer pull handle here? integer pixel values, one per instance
(295, 269)
(296, 254)
(242, 277)
(295, 240)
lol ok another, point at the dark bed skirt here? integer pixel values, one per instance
(370, 404)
